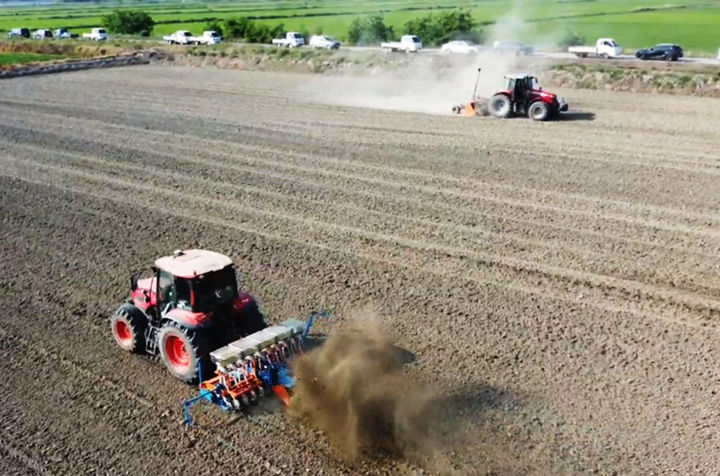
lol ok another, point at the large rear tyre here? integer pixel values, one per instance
(538, 111)
(128, 326)
(500, 106)
(182, 350)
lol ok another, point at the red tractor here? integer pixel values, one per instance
(522, 96)
(183, 307)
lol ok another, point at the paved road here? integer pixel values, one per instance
(548, 54)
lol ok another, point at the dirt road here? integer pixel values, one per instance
(558, 283)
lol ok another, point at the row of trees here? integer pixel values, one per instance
(433, 29)
(137, 22)
(247, 30)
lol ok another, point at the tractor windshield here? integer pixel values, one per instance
(212, 289)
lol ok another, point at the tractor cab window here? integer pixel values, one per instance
(215, 288)
(534, 84)
(174, 291)
(182, 290)
(166, 285)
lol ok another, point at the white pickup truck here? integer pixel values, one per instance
(96, 34)
(292, 39)
(408, 44)
(604, 48)
(180, 37)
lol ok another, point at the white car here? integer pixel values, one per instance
(96, 34)
(459, 47)
(324, 41)
(42, 34)
(19, 33)
(62, 34)
(512, 47)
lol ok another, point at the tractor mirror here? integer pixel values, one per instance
(133, 282)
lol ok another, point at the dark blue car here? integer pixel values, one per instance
(663, 51)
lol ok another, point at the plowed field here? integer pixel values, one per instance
(558, 283)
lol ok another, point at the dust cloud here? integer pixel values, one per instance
(354, 389)
(430, 82)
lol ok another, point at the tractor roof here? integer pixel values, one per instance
(519, 75)
(191, 263)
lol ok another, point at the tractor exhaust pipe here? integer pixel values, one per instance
(477, 81)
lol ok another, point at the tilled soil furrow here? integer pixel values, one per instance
(555, 282)
(571, 285)
(529, 212)
(685, 157)
(614, 353)
(11, 458)
(178, 144)
(462, 240)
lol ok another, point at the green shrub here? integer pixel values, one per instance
(369, 30)
(436, 29)
(129, 22)
(571, 39)
(243, 28)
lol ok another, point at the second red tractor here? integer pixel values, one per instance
(521, 96)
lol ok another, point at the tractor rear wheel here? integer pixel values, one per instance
(500, 106)
(182, 350)
(128, 328)
(538, 111)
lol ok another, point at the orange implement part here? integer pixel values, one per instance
(282, 394)
(234, 388)
(470, 109)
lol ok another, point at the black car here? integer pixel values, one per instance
(664, 51)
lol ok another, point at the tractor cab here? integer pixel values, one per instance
(193, 280)
(519, 86)
(182, 306)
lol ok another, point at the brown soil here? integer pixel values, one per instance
(557, 283)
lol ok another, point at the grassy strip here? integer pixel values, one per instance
(13, 59)
(17, 53)
(684, 79)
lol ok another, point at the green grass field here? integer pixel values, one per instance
(7, 59)
(633, 23)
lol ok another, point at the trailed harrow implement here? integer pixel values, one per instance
(247, 368)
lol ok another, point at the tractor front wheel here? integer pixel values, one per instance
(500, 106)
(182, 350)
(128, 328)
(538, 111)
